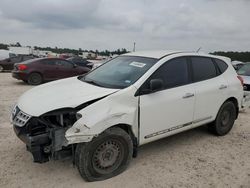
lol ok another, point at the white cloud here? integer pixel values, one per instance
(111, 24)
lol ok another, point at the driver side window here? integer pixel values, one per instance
(173, 73)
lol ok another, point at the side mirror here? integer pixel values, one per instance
(156, 85)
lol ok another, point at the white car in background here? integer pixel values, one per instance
(244, 73)
(101, 118)
(96, 63)
(237, 65)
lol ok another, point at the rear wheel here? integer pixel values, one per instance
(105, 156)
(224, 120)
(35, 79)
(1, 68)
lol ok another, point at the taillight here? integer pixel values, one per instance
(22, 67)
(241, 80)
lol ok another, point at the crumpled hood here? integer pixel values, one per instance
(66, 93)
(246, 79)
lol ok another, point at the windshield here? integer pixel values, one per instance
(120, 72)
(244, 70)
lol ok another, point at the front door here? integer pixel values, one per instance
(170, 110)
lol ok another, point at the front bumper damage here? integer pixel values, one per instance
(45, 145)
(43, 139)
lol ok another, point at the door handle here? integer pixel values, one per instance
(223, 86)
(188, 95)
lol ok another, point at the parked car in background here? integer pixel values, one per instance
(237, 65)
(4, 54)
(244, 73)
(8, 63)
(101, 118)
(37, 71)
(64, 56)
(97, 63)
(81, 62)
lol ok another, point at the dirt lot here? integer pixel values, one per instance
(191, 159)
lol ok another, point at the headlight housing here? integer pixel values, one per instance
(62, 117)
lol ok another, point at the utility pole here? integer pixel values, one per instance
(134, 47)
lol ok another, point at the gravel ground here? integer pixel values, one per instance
(191, 159)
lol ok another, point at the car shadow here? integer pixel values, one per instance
(188, 137)
(146, 151)
(20, 83)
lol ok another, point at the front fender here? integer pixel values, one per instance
(118, 108)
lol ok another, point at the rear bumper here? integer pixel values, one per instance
(19, 75)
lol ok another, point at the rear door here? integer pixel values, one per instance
(50, 69)
(66, 69)
(170, 110)
(210, 88)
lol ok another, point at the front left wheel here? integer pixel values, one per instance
(105, 156)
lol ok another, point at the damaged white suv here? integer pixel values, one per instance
(101, 118)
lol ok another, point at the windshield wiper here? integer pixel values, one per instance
(91, 82)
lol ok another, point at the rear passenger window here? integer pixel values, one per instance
(64, 64)
(48, 62)
(203, 68)
(222, 65)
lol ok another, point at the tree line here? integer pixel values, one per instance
(68, 50)
(235, 56)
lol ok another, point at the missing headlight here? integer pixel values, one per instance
(63, 118)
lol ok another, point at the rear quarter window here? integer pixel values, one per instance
(221, 65)
(203, 68)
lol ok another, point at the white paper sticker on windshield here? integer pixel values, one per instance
(137, 64)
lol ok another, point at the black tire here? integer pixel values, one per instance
(35, 79)
(105, 156)
(225, 119)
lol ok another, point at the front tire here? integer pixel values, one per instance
(225, 119)
(35, 79)
(105, 156)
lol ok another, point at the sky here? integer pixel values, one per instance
(111, 24)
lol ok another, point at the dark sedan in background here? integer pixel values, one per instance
(37, 71)
(8, 63)
(81, 62)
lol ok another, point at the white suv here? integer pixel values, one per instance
(101, 118)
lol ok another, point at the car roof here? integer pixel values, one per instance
(41, 59)
(55, 58)
(162, 53)
(152, 54)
